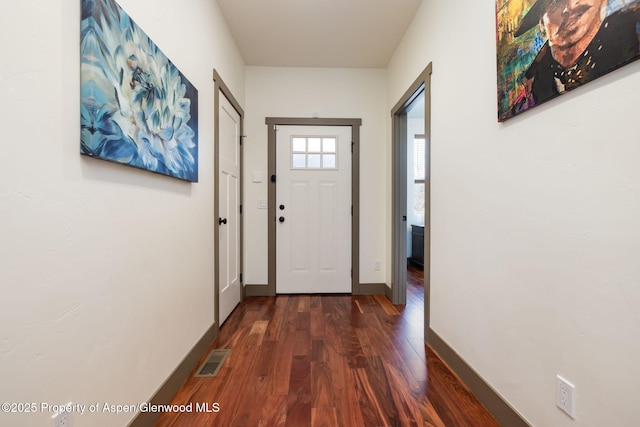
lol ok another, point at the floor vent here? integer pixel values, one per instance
(211, 366)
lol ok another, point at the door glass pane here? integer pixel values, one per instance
(328, 145)
(314, 152)
(299, 161)
(299, 145)
(328, 161)
(314, 145)
(314, 161)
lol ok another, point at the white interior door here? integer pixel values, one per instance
(229, 208)
(313, 211)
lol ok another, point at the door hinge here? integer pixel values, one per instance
(353, 143)
(351, 210)
(240, 277)
(240, 209)
(241, 139)
(352, 273)
(273, 178)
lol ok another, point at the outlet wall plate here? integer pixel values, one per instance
(62, 419)
(566, 396)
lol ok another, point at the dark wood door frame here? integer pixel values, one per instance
(273, 123)
(399, 198)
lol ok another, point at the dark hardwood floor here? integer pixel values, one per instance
(329, 360)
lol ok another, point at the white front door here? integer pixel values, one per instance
(229, 208)
(313, 209)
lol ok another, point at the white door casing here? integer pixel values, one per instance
(228, 208)
(313, 209)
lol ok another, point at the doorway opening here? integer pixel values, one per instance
(411, 189)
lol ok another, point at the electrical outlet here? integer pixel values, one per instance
(377, 265)
(62, 419)
(566, 396)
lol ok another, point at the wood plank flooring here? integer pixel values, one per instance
(328, 360)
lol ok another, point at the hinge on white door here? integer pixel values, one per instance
(240, 277)
(353, 143)
(240, 209)
(351, 210)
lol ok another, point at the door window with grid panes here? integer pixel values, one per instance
(312, 152)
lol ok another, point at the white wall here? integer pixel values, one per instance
(106, 272)
(535, 224)
(301, 92)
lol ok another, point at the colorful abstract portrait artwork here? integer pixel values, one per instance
(548, 47)
(137, 108)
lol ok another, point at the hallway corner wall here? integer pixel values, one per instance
(106, 271)
(534, 223)
(329, 92)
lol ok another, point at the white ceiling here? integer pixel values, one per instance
(318, 33)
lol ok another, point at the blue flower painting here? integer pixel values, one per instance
(137, 108)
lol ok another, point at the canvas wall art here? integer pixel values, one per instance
(548, 47)
(137, 108)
